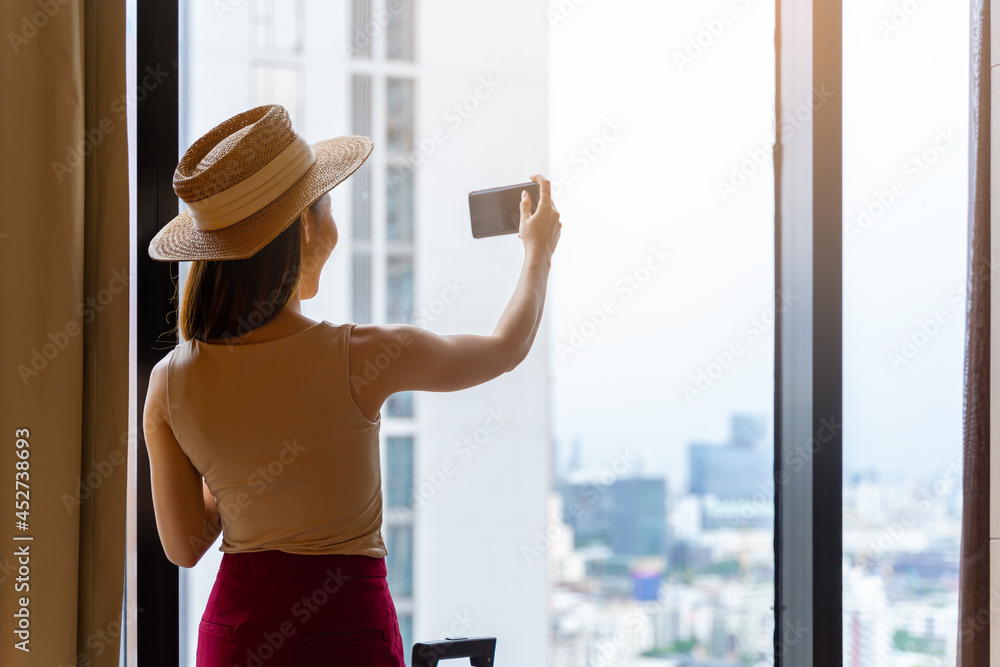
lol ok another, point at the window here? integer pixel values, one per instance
(399, 107)
(399, 204)
(360, 38)
(399, 44)
(639, 438)
(399, 288)
(361, 280)
(361, 203)
(905, 242)
(361, 104)
(400, 405)
(399, 543)
(399, 471)
(277, 25)
(406, 629)
(271, 82)
(653, 548)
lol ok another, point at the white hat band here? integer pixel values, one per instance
(254, 193)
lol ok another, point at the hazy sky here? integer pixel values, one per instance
(666, 124)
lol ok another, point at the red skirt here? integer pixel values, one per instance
(272, 608)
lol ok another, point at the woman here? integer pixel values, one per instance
(263, 425)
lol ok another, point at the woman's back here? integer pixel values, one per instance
(257, 428)
(273, 428)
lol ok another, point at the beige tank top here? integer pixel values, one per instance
(274, 430)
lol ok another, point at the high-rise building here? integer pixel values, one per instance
(629, 515)
(737, 469)
(451, 108)
(867, 636)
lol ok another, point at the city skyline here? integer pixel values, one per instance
(689, 127)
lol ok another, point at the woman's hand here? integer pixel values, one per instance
(540, 230)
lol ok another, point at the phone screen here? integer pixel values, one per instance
(498, 210)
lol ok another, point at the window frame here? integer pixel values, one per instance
(808, 359)
(808, 338)
(157, 131)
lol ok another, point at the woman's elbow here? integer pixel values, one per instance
(186, 561)
(184, 556)
(515, 358)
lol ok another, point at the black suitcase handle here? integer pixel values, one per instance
(479, 649)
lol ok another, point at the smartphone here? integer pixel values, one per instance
(497, 211)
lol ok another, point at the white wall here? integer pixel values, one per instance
(469, 533)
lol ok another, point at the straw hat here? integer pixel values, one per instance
(248, 179)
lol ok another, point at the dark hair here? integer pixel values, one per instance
(230, 298)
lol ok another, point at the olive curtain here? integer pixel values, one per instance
(64, 304)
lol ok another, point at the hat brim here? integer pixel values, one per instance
(181, 240)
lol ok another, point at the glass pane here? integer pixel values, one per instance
(399, 108)
(406, 632)
(277, 84)
(645, 302)
(399, 471)
(906, 140)
(359, 43)
(362, 287)
(361, 204)
(361, 119)
(276, 25)
(663, 370)
(399, 561)
(400, 405)
(399, 289)
(361, 104)
(399, 204)
(399, 42)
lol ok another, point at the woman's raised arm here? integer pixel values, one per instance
(425, 361)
